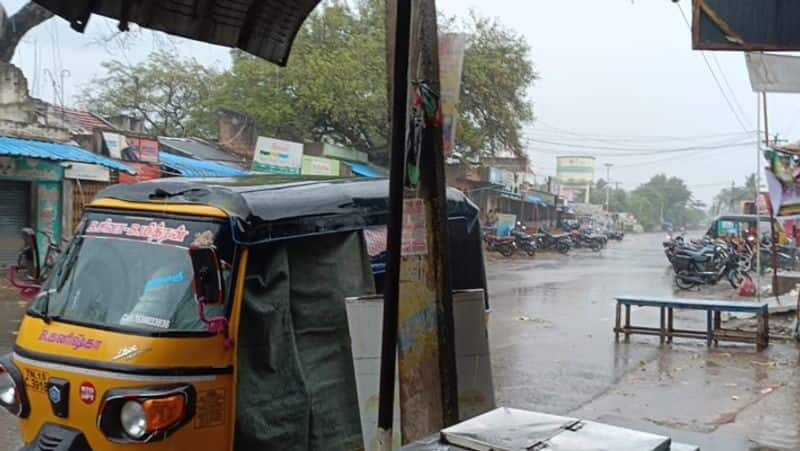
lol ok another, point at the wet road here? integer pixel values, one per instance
(553, 351)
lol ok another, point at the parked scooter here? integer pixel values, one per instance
(585, 239)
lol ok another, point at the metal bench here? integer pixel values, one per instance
(714, 331)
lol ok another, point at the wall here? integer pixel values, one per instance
(237, 133)
(19, 112)
(46, 179)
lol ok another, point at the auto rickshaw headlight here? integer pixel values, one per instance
(12, 389)
(133, 420)
(145, 414)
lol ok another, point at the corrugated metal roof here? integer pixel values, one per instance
(194, 148)
(365, 170)
(265, 28)
(189, 167)
(17, 147)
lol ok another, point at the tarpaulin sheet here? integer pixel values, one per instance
(296, 383)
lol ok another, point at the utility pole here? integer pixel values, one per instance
(608, 187)
(421, 282)
(733, 196)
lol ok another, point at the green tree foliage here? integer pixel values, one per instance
(664, 199)
(333, 89)
(497, 75)
(730, 199)
(172, 94)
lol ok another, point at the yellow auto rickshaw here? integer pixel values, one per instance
(209, 315)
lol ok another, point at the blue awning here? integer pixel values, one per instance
(364, 170)
(534, 199)
(190, 167)
(45, 150)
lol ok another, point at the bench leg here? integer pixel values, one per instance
(762, 338)
(709, 328)
(717, 324)
(669, 325)
(662, 331)
(617, 323)
(627, 323)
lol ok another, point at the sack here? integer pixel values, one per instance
(747, 287)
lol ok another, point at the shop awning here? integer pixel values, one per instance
(265, 28)
(364, 170)
(45, 150)
(531, 199)
(190, 167)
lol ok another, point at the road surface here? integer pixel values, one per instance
(553, 351)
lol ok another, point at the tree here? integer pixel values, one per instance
(497, 75)
(171, 94)
(729, 199)
(13, 28)
(664, 199)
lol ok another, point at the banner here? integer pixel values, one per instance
(275, 156)
(144, 150)
(783, 175)
(451, 69)
(773, 73)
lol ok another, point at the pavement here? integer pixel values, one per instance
(553, 351)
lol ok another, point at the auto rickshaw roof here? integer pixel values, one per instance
(269, 207)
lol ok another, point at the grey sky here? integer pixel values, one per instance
(616, 74)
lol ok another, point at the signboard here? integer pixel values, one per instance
(143, 149)
(502, 177)
(451, 68)
(84, 171)
(784, 190)
(276, 156)
(115, 143)
(575, 171)
(727, 228)
(144, 171)
(746, 25)
(773, 73)
(320, 166)
(415, 235)
(505, 224)
(30, 169)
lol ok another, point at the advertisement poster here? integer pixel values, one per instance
(143, 149)
(320, 166)
(144, 171)
(415, 236)
(783, 175)
(275, 156)
(115, 143)
(451, 68)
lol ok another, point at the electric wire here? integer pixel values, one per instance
(714, 75)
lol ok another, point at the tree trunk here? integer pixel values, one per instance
(13, 28)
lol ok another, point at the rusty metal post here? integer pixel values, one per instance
(427, 369)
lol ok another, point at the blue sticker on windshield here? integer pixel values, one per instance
(157, 282)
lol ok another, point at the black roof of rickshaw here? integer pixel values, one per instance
(283, 206)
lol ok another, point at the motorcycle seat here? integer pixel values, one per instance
(702, 255)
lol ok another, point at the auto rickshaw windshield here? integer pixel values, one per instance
(130, 273)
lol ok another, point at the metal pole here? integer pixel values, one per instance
(395, 225)
(774, 215)
(608, 188)
(758, 187)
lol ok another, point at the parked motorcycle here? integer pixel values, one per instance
(524, 241)
(559, 242)
(707, 264)
(505, 245)
(586, 239)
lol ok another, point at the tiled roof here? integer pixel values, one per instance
(85, 119)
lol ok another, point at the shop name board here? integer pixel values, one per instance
(84, 171)
(276, 156)
(320, 166)
(30, 169)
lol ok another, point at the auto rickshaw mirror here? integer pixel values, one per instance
(207, 280)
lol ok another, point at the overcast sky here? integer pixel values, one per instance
(619, 80)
